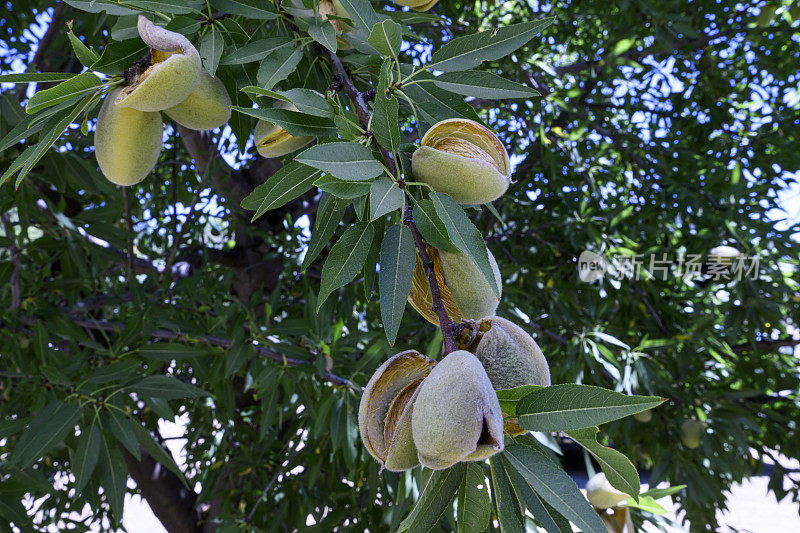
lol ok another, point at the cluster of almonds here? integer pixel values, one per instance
(418, 411)
(128, 132)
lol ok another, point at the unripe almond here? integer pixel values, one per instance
(273, 141)
(173, 74)
(601, 493)
(510, 356)
(207, 107)
(127, 142)
(463, 159)
(692, 432)
(644, 416)
(465, 292)
(456, 414)
(417, 5)
(388, 400)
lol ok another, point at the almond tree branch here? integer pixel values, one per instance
(209, 340)
(359, 102)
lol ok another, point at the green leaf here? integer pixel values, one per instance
(13, 511)
(549, 518)
(646, 503)
(324, 33)
(570, 406)
(211, 50)
(509, 512)
(398, 257)
(343, 189)
(345, 160)
(361, 13)
(255, 51)
(285, 185)
(252, 9)
(329, 215)
(122, 429)
(96, 6)
(386, 37)
(33, 77)
(385, 124)
(157, 451)
(554, 486)
(465, 235)
(431, 226)
(85, 55)
(169, 351)
(384, 197)
(66, 90)
(481, 84)
(373, 259)
(435, 499)
(85, 457)
(118, 56)
(118, 371)
(277, 66)
(309, 102)
(113, 476)
(175, 7)
(474, 505)
(236, 357)
(510, 397)
(345, 259)
(663, 493)
(294, 122)
(618, 469)
(48, 428)
(464, 53)
(165, 387)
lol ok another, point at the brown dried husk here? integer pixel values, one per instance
(420, 295)
(395, 410)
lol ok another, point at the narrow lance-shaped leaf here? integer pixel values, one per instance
(385, 122)
(157, 451)
(384, 197)
(277, 66)
(571, 406)
(554, 485)
(285, 185)
(255, 51)
(324, 33)
(345, 259)
(431, 226)
(481, 84)
(434, 500)
(254, 9)
(210, 50)
(509, 512)
(47, 429)
(474, 505)
(465, 235)
(551, 520)
(79, 85)
(398, 257)
(329, 214)
(85, 457)
(386, 37)
(165, 387)
(619, 471)
(463, 53)
(113, 476)
(294, 122)
(345, 160)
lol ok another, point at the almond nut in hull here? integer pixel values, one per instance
(173, 75)
(463, 159)
(207, 107)
(273, 141)
(465, 292)
(456, 414)
(387, 398)
(127, 142)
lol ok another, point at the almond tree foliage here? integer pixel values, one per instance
(662, 129)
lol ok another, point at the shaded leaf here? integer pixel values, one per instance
(398, 257)
(434, 499)
(618, 469)
(285, 185)
(384, 197)
(345, 259)
(345, 160)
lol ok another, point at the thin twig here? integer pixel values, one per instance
(16, 285)
(272, 482)
(358, 98)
